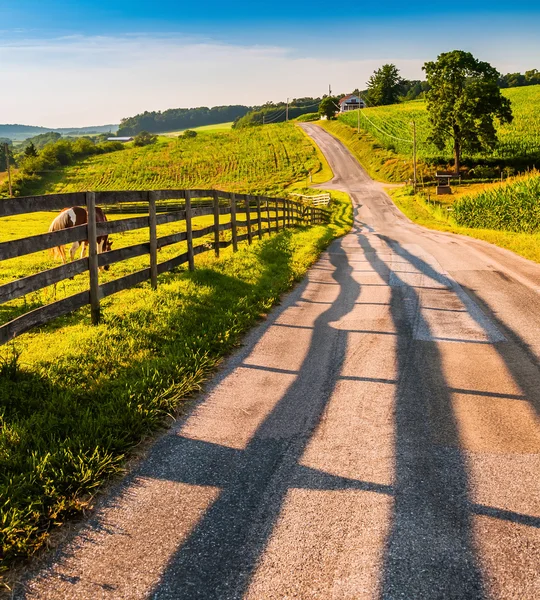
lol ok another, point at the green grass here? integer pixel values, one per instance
(216, 127)
(258, 160)
(75, 399)
(434, 215)
(519, 141)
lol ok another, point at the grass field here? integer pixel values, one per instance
(257, 160)
(519, 141)
(216, 127)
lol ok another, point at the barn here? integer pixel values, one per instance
(351, 102)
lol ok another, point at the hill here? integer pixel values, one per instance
(256, 160)
(519, 142)
(19, 133)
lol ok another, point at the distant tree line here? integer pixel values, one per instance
(180, 118)
(34, 161)
(509, 80)
(273, 112)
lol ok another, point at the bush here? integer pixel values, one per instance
(308, 117)
(189, 133)
(144, 139)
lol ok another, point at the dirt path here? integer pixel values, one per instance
(377, 437)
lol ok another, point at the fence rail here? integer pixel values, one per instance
(318, 200)
(254, 212)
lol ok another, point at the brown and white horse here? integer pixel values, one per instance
(72, 217)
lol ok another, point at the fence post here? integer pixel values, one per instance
(152, 224)
(276, 215)
(312, 215)
(268, 217)
(189, 232)
(283, 206)
(233, 223)
(259, 218)
(93, 267)
(248, 219)
(216, 223)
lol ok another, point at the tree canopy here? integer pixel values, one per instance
(385, 86)
(329, 107)
(463, 101)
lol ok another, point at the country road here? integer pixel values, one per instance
(378, 436)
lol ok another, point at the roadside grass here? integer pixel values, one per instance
(436, 216)
(380, 163)
(76, 399)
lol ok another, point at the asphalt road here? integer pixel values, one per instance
(377, 437)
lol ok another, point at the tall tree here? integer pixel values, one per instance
(384, 86)
(329, 107)
(463, 102)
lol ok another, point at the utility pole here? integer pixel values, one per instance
(263, 119)
(358, 123)
(414, 156)
(329, 90)
(6, 148)
(287, 113)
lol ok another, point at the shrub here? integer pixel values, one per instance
(144, 139)
(189, 133)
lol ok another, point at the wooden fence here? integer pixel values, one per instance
(274, 213)
(318, 200)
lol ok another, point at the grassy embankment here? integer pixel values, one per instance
(75, 399)
(207, 128)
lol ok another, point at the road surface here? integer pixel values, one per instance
(377, 437)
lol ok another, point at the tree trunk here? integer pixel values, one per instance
(457, 151)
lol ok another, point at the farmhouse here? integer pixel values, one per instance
(120, 139)
(351, 102)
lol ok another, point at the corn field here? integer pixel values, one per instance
(392, 127)
(514, 206)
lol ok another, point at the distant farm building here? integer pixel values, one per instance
(351, 102)
(120, 139)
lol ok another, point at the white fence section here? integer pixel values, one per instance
(319, 200)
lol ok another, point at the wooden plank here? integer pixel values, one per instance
(110, 227)
(124, 283)
(189, 231)
(93, 266)
(30, 204)
(109, 258)
(44, 241)
(216, 224)
(243, 237)
(170, 264)
(171, 217)
(42, 315)
(197, 233)
(152, 224)
(173, 238)
(233, 221)
(21, 287)
(119, 197)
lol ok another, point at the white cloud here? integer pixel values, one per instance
(77, 81)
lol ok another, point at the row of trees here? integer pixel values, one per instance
(273, 112)
(180, 118)
(33, 163)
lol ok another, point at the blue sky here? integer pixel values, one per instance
(95, 61)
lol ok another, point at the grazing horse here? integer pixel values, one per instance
(72, 217)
